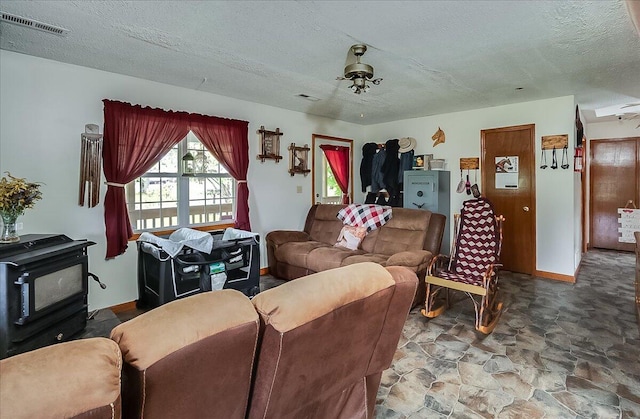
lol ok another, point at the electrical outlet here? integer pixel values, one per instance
(298, 189)
(19, 226)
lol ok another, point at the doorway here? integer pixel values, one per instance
(614, 181)
(323, 190)
(515, 200)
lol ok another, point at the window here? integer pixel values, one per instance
(331, 193)
(164, 198)
(325, 187)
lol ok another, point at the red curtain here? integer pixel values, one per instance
(338, 158)
(134, 139)
(228, 141)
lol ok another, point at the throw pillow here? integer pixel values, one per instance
(350, 237)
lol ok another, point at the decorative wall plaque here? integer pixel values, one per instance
(299, 159)
(269, 144)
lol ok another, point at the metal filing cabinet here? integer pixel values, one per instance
(430, 190)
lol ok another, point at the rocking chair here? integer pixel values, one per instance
(472, 267)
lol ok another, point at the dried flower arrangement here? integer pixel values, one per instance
(17, 195)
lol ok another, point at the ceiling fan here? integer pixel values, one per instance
(359, 73)
(635, 112)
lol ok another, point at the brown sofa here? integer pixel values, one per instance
(410, 238)
(315, 347)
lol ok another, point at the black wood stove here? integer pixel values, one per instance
(43, 291)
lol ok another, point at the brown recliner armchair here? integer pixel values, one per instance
(326, 339)
(77, 379)
(189, 356)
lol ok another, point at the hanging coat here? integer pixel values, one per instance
(368, 152)
(377, 181)
(391, 166)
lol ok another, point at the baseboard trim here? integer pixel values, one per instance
(264, 271)
(119, 308)
(556, 276)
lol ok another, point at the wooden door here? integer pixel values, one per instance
(615, 169)
(516, 204)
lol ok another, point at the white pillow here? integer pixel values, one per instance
(350, 237)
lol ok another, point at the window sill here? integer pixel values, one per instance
(211, 227)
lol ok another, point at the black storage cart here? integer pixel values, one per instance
(162, 278)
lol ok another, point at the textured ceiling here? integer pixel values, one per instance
(435, 57)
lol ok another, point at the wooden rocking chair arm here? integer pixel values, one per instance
(491, 269)
(440, 259)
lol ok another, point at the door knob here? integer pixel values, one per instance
(525, 209)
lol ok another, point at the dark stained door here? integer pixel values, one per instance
(517, 205)
(615, 169)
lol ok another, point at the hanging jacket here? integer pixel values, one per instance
(406, 163)
(368, 152)
(391, 166)
(377, 181)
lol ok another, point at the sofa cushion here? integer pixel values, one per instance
(80, 378)
(297, 253)
(365, 257)
(296, 303)
(323, 258)
(226, 309)
(417, 260)
(326, 226)
(407, 230)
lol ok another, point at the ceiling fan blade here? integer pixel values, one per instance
(630, 105)
(341, 78)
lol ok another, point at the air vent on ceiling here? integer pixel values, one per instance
(33, 24)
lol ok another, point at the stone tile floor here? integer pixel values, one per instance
(560, 350)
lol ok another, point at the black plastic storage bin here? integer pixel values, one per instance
(162, 278)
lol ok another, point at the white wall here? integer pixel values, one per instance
(554, 188)
(613, 129)
(44, 106)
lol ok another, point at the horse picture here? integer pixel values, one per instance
(438, 137)
(504, 165)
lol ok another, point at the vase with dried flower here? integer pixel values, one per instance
(16, 195)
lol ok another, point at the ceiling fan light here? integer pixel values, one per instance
(359, 73)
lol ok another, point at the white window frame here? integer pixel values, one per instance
(183, 216)
(326, 198)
